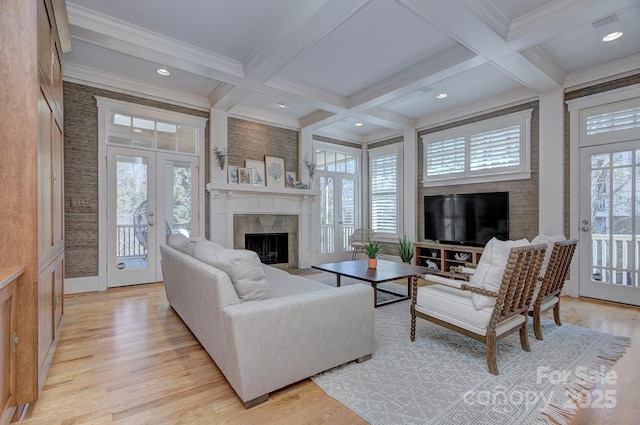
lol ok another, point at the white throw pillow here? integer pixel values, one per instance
(490, 269)
(549, 240)
(185, 244)
(243, 267)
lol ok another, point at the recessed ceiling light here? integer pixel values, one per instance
(163, 72)
(358, 124)
(282, 105)
(441, 96)
(613, 36)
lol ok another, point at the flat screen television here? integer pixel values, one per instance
(467, 219)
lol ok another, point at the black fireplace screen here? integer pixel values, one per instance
(272, 248)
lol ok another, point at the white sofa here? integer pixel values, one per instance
(299, 329)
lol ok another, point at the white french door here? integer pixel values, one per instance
(338, 203)
(150, 196)
(610, 222)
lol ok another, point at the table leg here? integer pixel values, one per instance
(375, 294)
(409, 286)
(338, 280)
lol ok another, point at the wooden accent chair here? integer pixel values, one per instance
(483, 314)
(552, 283)
(359, 239)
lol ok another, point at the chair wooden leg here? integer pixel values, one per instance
(413, 323)
(524, 339)
(556, 313)
(491, 352)
(537, 330)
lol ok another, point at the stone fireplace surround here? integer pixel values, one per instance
(237, 209)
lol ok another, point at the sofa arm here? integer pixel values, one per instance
(276, 342)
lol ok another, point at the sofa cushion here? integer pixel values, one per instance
(185, 244)
(243, 267)
(490, 269)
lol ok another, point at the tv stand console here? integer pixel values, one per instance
(443, 256)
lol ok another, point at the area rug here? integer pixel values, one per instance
(442, 377)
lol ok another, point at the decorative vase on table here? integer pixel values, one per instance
(372, 263)
(222, 176)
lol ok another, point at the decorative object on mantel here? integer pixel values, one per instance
(311, 168)
(257, 171)
(372, 250)
(233, 174)
(290, 178)
(298, 185)
(221, 158)
(244, 176)
(275, 171)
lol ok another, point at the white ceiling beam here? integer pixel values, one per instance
(305, 24)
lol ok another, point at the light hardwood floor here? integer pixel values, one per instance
(125, 357)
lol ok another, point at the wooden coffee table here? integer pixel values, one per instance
(385, 272)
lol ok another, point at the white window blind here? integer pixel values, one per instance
(494, 149)
(491, 150)
(613, 121)
(445, 156)
(383, 174)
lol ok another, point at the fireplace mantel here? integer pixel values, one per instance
(227, 200)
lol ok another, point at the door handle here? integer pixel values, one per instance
(151, 224)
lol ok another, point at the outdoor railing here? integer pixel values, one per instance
(613, 256)
(128, 246)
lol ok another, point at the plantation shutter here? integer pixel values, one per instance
(495, 149)
(383, 171)
(613, 121)
(445, 157)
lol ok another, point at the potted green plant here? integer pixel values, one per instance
(372, 250)
(405, 249)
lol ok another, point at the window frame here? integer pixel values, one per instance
(397, 149)
(522, 119)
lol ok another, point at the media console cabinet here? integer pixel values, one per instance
(443, 256)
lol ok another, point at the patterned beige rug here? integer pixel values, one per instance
(442, 377)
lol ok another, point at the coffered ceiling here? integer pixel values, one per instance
(335, 63)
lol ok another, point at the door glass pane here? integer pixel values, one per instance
(166, 136)
(131, 212)
(186, 139)
(119, 129)
(178, 199)
(348, 211)
(143, 132)
(327, 214)
(615, 212)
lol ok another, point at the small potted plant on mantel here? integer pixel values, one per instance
(372, 250)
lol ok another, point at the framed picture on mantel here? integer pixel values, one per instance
(257, 171)
(275, 171)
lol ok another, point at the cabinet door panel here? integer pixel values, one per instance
(7, 356)
(45, 172)
(45, 34)
(58, 183)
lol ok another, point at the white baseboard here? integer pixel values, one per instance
(78, 285)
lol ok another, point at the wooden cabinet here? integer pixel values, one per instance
(8, 342)
(31, 181)
(442, 256)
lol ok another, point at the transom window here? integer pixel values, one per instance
(141, 132)
(490, 150)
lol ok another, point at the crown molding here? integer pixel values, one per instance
(492, 16)
(261, 116)
(514, 97)
(345, 136)
(544, 63)
(629, 65)
(142, 40)
(94, 78)
(553, 12)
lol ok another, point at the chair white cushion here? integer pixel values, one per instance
(546, 304)
(490, 269)
(243, 267)
(456, 307)
(549, 240)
